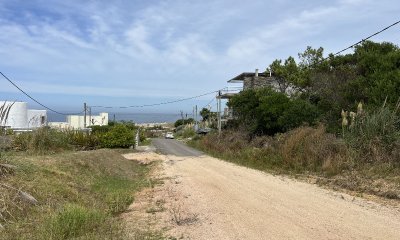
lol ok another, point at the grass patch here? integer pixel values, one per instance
(74, 221)
(78, 193)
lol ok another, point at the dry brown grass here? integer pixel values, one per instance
(313, 149)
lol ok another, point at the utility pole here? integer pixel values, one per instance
(196, 114)
(90, 116)
(219, 112)
(84, 118)
(182, 117)
(196, 126)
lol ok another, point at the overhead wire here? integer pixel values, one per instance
(161, 103)
(36, 101)
(355, 44)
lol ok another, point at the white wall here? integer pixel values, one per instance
(37, 118)
(77, 122)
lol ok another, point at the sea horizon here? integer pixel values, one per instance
(134, 117)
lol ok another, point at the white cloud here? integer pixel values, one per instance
(151, 46)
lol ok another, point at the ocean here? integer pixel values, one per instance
(135, 117)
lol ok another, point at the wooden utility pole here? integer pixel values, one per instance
(84, 118)
(219, 112)
(90, 116)
(196, 113)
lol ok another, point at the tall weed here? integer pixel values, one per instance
(313, 149)
(375, 135)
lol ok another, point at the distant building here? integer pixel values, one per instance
(254, 80)
(78, 121)
(20, 117)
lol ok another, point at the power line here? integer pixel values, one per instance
(161, 103)
(365, 39)
(36, 101)
(208, 104)
(357, 43)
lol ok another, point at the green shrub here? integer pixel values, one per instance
(83, 140)
(180, 122)
(297, 113)
(265, 111)
(119, 136)
(41, 141)
(186, 132)
(101, 129)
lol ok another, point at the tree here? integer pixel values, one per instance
(180, 122)
(265, 111)
(205, 114)
(286, 74)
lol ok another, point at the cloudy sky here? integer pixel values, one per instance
(132, 52)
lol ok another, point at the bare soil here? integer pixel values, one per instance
(205, 198)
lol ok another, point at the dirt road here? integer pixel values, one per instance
(219, 200)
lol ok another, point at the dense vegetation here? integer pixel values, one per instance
(46, 140)
(181, 122)
(319, 89)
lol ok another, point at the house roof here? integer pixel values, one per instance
(227, 95)
(242, 76)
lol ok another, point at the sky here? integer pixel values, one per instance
(130, 52)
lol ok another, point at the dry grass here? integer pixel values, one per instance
(313, 149)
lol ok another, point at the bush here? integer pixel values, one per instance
(376, 135)
(119, 136)
(83, 140)
(180, 122)
(46, 140)
(297, 113)
(186, 132)
(313, 149)
(265, 111)
(101, 129)
(41, 141)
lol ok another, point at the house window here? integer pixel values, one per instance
(42, 120)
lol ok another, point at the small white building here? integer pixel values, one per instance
(20, 117)
(78, 122)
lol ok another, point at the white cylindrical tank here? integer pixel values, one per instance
(18, 116)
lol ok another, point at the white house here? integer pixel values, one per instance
(20, 117)
(78, 122)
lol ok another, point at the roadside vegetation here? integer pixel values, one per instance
(337, 119)
(50, 189)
